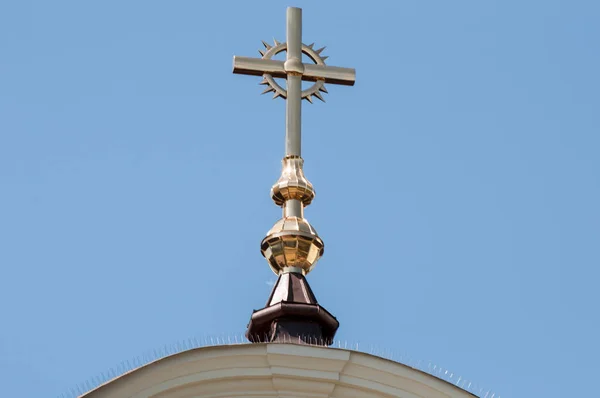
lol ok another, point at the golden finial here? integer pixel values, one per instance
(292, 244)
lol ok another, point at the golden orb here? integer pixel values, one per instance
(292, 242)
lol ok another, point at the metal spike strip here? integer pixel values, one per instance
(194, 343)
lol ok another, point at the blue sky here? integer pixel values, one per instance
(457, 183)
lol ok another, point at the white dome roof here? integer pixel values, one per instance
(275, 370)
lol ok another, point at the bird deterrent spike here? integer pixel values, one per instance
(268, 89)
(261, 52)
(311, 45)
(308, 98)
(267, 45)
(319, 96)
(320, 50)
(276, 42)
(323, 58)
(323, 89)
(264, 81)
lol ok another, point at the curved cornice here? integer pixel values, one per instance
(275, 370)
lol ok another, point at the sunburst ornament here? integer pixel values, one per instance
(272, 86)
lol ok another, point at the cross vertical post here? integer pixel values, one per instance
(293, 110)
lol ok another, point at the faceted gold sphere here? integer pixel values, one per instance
(292, 242)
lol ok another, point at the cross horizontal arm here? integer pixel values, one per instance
(330, 74)
(258, 66)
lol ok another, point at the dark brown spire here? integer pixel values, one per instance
(292, 314)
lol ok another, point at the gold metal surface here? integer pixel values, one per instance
(292, 184)
(292, 242)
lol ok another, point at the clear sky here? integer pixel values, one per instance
(458, 190)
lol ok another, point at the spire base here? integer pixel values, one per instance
(292, 314)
